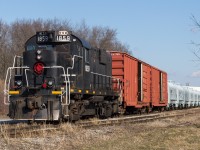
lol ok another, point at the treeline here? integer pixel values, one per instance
(14, 35)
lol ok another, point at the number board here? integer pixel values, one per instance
(44, 37)
(63, 36)
(52, 37)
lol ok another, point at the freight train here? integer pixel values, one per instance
(62, 77)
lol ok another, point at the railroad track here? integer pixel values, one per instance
(15, 131)
(141, 118)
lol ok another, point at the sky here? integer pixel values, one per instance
(158, 32)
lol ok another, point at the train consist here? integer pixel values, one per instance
(61, 77)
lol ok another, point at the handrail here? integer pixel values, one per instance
(15, 59)
(68, 100)
(7, 82)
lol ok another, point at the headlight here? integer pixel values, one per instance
(39, 57)
(39, 52)
(18, 83)
(50, 83)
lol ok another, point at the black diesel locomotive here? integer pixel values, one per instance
(61, 77)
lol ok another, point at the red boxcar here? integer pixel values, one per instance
(143, 85)
(159, 87)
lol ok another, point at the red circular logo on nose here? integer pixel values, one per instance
(39, 68)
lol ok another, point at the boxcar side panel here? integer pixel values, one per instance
(146, 78)
(117, 68)
(159, 88)
(155, 92)
(165, 88)
(130, 80)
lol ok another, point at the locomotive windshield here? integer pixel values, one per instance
(32, 47)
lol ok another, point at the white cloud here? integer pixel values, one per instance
(196, 74)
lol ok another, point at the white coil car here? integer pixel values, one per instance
(182, 96)
(176, 95)
(192, 99)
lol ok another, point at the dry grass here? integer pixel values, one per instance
(168, 134)
(171, 134)
(3, 108)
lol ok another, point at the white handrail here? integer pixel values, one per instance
(54, 67)
(7, 83)
(61, 67)
(15, 59)
(27, 84)
(68, 100)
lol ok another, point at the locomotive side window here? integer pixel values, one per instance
(87, 56)
(80, 50)
(30, 48)
(46, 47)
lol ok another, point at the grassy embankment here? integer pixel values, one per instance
(169, 134)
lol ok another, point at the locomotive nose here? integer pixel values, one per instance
(41, 63)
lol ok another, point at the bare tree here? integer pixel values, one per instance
(82, 30)
(22, 30)
(196, 51)
(4, 58)
(5, 51)
(101, 37)
(196, 22)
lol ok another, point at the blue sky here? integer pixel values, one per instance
(157, 31)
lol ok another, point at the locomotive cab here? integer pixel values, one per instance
(60, 77)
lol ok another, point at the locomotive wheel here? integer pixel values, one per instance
(109, 111)
(148, 109)
(140, 111)
(74, 116)
(104, 112)
(74, 112)
(30, 122)
(122, 110)
(162, 109)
